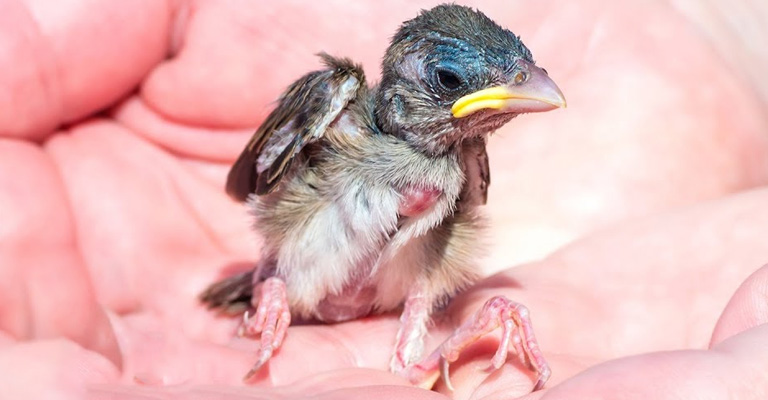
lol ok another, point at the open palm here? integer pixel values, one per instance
(112, 223)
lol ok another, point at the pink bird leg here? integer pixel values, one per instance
(409, 343)
(271, 320)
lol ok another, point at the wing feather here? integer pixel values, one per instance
(303, 114)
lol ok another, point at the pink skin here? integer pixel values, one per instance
(111, 224)
(270, 322)
(416, 200)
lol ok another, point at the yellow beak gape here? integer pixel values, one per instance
(493, 98)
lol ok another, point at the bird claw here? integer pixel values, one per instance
(242, 329)
(445, 373)
(271, 321)
(257, 367)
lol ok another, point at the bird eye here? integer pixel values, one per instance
(448, 80)
(520, 77)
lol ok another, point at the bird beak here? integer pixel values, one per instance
(531, 91)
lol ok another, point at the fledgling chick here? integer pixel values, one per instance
(368, 197)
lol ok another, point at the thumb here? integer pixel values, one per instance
(747, 308)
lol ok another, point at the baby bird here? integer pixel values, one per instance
(367, 197)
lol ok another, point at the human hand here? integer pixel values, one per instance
(126, 211)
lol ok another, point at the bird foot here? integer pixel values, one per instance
(517, 330)
(271, 321)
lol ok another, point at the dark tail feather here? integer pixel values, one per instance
(230, 295)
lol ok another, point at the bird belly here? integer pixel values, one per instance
(333, 233)
(355, 301)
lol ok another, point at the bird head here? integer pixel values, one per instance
(452, 73)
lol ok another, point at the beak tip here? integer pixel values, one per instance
(558, 96)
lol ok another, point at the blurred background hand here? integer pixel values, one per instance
(632, 216)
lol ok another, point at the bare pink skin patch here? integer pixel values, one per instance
(416, 200)
(355, 301)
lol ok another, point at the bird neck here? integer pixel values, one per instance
(388, 117)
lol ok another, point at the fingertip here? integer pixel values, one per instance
(746, 309)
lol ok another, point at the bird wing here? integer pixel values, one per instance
(303, 114)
